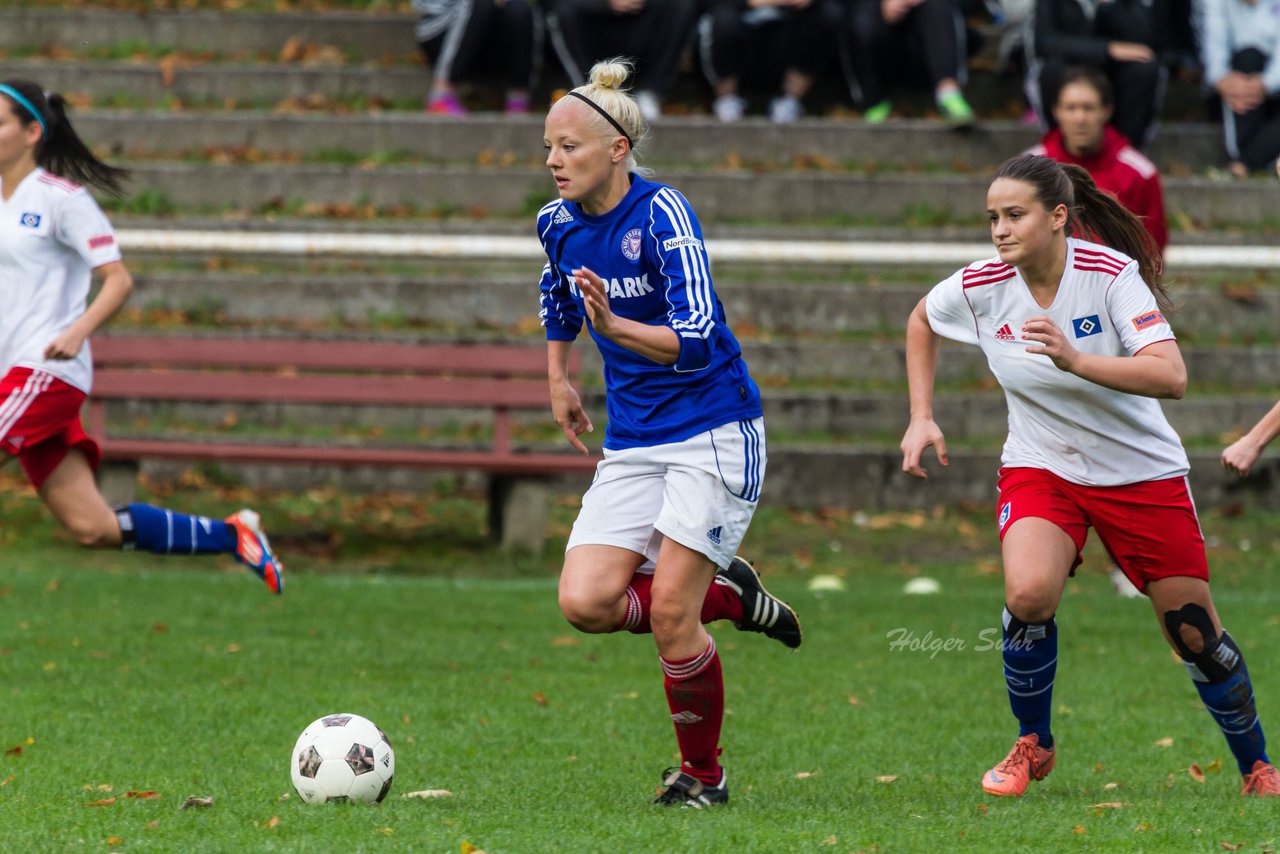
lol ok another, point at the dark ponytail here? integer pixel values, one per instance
(61, 151)
(1091, 214)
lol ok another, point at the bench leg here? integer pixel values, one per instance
(519, 508)
(118, 481)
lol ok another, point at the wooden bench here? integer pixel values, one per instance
(500, 378)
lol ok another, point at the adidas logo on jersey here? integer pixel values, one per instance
(562, 216)
(714, 534)
(1004, 333)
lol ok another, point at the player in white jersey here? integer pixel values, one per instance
(653, 549)
(53, 240)
(1075, 333)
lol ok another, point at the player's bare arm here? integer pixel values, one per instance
(1156, 370)
(658, 343)
(117, 285)
(566, 405)
(922, 363)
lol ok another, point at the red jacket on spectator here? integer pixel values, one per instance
(1121, 170)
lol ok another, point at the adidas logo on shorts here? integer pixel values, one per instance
(714, 534)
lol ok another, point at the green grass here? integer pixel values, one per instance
(182, 676)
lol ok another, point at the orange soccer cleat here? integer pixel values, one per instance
(254, 551)
(1026, 762)
(1262, 782)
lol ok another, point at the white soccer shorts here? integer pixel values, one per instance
(701, 492)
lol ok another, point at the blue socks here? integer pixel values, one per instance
(1030, 653)
(163, 532)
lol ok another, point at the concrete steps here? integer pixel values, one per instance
(741, 196)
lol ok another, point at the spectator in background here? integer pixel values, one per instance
(1125, 39)
(1242, 62)
(654, 32)
(1082, 111)
(765, 39)
(453, 36)
(908, 39)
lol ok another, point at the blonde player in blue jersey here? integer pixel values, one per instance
(53, 239)
(1075, 333)
(653, 548)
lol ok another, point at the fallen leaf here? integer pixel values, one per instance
(1164, 742)
(385, 831)
(159, 628)
(540, 698)
(886, 778)
(1079, 828)
(1109, 786)
(854, 701)
(830, 840)
(803, 775)
(1227, 846)
(147, 795)
(114, 840)
(566, 640)
(1214, 767)
(1196, 773)
(982, 809)
(234, 647)
(468, 848)
(1109, 805)
(274, 821)
(152, 825)
(106, 802)
(7, 780)
(429, 793)
(53, 585)
(196, 802)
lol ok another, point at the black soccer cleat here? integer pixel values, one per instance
(761, 610)
(685, 790)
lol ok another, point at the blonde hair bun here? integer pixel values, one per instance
(611, 73)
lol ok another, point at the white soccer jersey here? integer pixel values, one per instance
(52, 236)
(1076, 429)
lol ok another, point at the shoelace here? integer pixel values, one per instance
(1023, 750)
(1264, 780)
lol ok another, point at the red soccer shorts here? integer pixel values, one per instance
(40, 422)
(1150, 529)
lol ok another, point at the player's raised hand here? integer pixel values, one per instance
(595, 298)
(921, 433)
(566, 407)
(1051, 340)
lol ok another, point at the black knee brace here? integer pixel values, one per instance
(1218, 660)
(1018, 630)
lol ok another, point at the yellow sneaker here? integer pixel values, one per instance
(1026, 762)
(1262, 782)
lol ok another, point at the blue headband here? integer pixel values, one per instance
(25, 104)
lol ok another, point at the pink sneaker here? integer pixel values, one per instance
(446, 105)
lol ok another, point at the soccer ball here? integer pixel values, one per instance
(342, 757)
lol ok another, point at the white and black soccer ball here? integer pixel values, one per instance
(342, 757)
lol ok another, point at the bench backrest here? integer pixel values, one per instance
(493, 376)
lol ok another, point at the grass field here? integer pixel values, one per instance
(183, 677)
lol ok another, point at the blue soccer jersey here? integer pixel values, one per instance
(649, 252)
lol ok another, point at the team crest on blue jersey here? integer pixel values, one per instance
(30, 220)
(631, 244)
(1086, 326)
